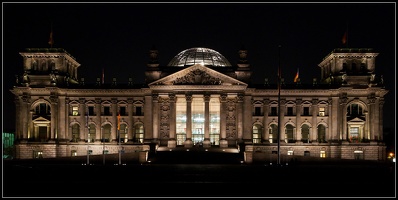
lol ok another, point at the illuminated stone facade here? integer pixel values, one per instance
(200, 98)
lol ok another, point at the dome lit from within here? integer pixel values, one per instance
(199, 55)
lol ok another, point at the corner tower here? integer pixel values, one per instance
(351, 67)
(48, 67)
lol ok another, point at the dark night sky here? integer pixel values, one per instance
(118, 36)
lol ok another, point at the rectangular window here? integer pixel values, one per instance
(75, 110)
(257, 111)
(323, 154)
(290, 111)
(107, 111)
(321, 112)
(91, 110)
(123, 111)
(289, 153)
(306, 153)
(354, 131)
(138, 111)
(306, 111)
(274, 111)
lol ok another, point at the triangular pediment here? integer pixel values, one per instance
(40, 119)
(356, 120)
(197, 75)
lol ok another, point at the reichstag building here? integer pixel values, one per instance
(199, 98)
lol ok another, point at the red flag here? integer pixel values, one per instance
(103, 76)
(344, 39)
(297, 76)
(51, 40)
(118, 122)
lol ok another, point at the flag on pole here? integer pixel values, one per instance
(103, 76)
(118, 121)
(297, 76)
(344, 39)
(51, 39)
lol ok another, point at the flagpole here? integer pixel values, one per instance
(88, 143)
(118, 133)
(279, 106)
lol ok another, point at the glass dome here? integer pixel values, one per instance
(199, 55)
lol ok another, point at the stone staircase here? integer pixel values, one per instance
(196, 156)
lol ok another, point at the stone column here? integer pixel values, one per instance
(30, 124)
(130, 110)
(18, 125)
(206, 142)
(62, 115)
(330, 115)
(375, 117)
(82, 119)
(48, 131)
(25, 113)
(380, 121)
(298, 120)
(98, 107)
(265, 121)
(343, 119)
(148, 117)
(67, 129)
(188, 142)
(223, 119)
(114, 136)
(335, 120)
(54, 119)
(314, 131)
(239, 118)
(172, 143)
(155, 117)
(247, 119)
(282, 129)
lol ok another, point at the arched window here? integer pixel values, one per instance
(91, 133)
(123, 133)
(273, 133)
(257, 132)
(75, 133)
(321, 133)
(305, 133)
(34, 65)
(139, 133)
(106, 133)
(354, 110)
(289, 133)
(42, 109)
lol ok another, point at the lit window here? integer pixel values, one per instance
(321, 112)
(75, 110)
(38, 154)
(289, 153)
(74, 153)
(358, 155)
(323, 154)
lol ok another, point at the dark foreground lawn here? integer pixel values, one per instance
(305, 179)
